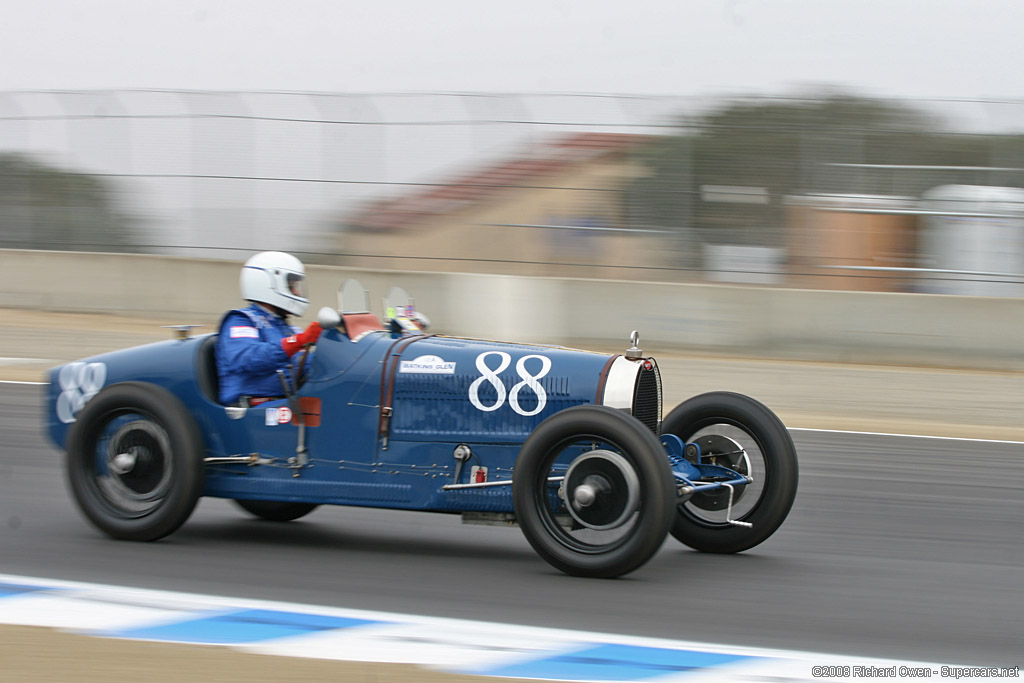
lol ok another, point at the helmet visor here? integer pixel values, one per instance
(296, 285)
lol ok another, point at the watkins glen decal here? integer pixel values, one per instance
(428, 365)
(78, 383)
(529, 381)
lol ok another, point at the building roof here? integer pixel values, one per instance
(483, 183)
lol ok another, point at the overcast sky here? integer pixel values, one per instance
(903, 48)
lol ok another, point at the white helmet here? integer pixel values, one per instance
(275, 278)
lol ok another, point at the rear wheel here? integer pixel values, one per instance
(737, 432)
(275, 510)
(593, 492)
(134, 461)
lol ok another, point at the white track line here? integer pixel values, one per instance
(903, 436)
(12, 381)
(454, 646)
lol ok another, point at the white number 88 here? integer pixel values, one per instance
(528, 380)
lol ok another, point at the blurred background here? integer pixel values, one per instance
(818, 204)
(821, 188)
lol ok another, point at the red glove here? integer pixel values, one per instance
(296, 342)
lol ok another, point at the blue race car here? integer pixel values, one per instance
(570, 445)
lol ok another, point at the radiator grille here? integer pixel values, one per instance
(647, 395)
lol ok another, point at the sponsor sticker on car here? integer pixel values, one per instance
(428, 365)
(278, 416)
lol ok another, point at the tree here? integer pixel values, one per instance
(787, 146)
(44, 207)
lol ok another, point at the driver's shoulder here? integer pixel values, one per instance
(239, 323)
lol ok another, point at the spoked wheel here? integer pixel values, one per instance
(593, 492)
(737, 432)
(275, 510)
(134, 462)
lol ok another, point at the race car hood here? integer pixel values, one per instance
(445, 388)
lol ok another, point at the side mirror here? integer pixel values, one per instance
(328, 318)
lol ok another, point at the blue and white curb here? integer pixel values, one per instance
(449, 645)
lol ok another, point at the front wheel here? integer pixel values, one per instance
(737, 432)
(593, 492)
(275, 510)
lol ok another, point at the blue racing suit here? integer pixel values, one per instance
(249, 353)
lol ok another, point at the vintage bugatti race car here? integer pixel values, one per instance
(570, 445)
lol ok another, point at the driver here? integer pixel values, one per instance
(255, 342)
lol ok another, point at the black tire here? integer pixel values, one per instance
(567, 436)
(276, 510)
(146, 432)
(767, 501)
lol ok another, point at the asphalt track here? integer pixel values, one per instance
(905, 548)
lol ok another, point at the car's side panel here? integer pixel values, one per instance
(344, 385)
(411, 477)
(391, 414)
(395, 410)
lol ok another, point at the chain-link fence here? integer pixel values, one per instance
(821, 191)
